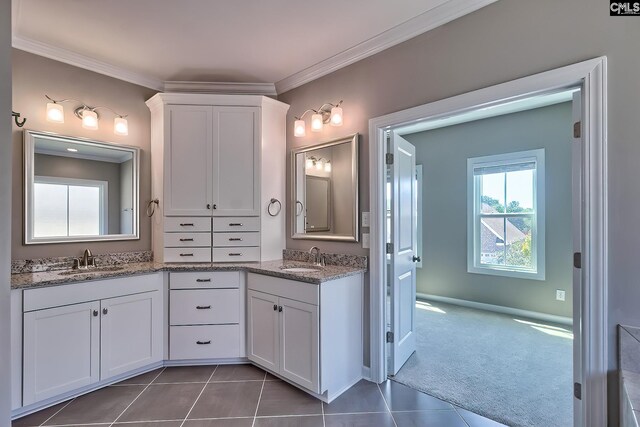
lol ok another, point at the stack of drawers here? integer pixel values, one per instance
(187, 239)
(236, 239)
(205, 309)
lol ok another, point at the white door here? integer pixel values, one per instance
(131, 333)
(576, 191)
(188, 166)
(61, 350)
(403, 257)
(264, 330)
(237, 155)
(299, 354)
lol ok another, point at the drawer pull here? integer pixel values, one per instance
(186, 254)
(203, 342)
(235, 254)
(235, 239)
(203, 307)
(186, 224)
(235, 224)
(203, 280)
(186, 240)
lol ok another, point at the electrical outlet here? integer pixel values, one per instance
(365, 219)
(560, 295)
(365, 240)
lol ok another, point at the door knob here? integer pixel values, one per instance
(416, 259)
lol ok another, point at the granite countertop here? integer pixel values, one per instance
(270, 268)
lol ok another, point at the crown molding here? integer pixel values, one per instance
(82, 61)
(266, 89)
(422, 23)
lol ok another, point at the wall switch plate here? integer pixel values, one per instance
(365, 219)
(560, 295)
(365, 240)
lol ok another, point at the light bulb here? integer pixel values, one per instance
(319, 165)
(316, 122)
(336, 116)
(327, 167)
(55, 113)
(120, 126)
(308, 164)
(299, 128)
(89, 119)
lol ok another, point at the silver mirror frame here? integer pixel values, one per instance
(29, 137)
(353, 140)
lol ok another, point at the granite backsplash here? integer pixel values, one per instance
(65, 263)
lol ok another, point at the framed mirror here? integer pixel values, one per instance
(79, 190)
(325, 191)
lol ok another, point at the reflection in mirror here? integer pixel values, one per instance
(325, 191)
(79, 190)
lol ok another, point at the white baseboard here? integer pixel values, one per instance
(366, 373)
(498, 309)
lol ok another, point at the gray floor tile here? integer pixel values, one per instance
(309, 421)
(402, 398)
(185, 374)
(475, 420)
(359, 420)
(143, 379)
(363, 397)
(280, 398)
(101, 406)
(151, 424)
(444, 418)
(238, 373)
(37, 418)
(229, 422)
(219, 400)
(162, 402)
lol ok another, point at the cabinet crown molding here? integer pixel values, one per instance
(175, 98)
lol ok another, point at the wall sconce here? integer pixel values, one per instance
(319, 118)
(318, 163)
(88, 115)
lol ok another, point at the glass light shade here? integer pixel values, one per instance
(327, 167)
(308, 164)
(336, 116)
(55, 113)
(299, 128)
(89, 119)
(120, 126)
(319, 165)
(316, 122)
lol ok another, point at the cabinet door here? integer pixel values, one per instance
(237, 154)
(189, 167)
(131, 333)
(299, 336)
(61, 350)
(263, 330)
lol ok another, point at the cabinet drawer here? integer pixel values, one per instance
(187, 254)
(204, 279)
(204, 306)
(187, 223)
(237, 223)
(236, 254)
(178, 240)
(236, 239)
(204, 342)
(292, 289)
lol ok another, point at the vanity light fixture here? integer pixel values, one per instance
(88, 115)
(319, 118)
(318, 163)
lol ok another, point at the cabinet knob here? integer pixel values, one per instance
(105, 311)
(208, 206)
(275, 307)
(95, 313)
(215, 206)
(279, 309)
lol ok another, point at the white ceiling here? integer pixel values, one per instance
(263, 41)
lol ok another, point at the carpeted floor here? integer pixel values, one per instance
(513, 370)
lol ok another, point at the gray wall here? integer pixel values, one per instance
(443, 153)
(5, 210)
(498, 43)
(35, 76)
(69, 167)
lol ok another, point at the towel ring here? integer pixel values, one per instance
(273, 202)
(151, 207)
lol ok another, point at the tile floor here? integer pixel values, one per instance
(245, 396)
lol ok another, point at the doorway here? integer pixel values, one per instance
(590, 260)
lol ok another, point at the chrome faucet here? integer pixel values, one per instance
(86, 261)
(314, 255)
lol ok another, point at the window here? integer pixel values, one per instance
(505, 231)
(69, 207)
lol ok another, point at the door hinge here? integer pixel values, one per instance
(577, 259)
(389, 336)
(389, 158)
(577, 129)
(389, 248)
(577, 390)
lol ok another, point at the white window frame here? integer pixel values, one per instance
(474, 216)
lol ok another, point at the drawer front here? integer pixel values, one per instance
(236, 254)
(204, 306)
(291, 289)
(179, 240)
(221, 240)
(204, 280)
(204, 342)
(238, 223)
(187, 254)
(187, 223)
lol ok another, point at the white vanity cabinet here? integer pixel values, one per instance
(81, 334)
(308, 334)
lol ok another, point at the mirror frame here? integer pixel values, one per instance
(29, 141)
(353, 140)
